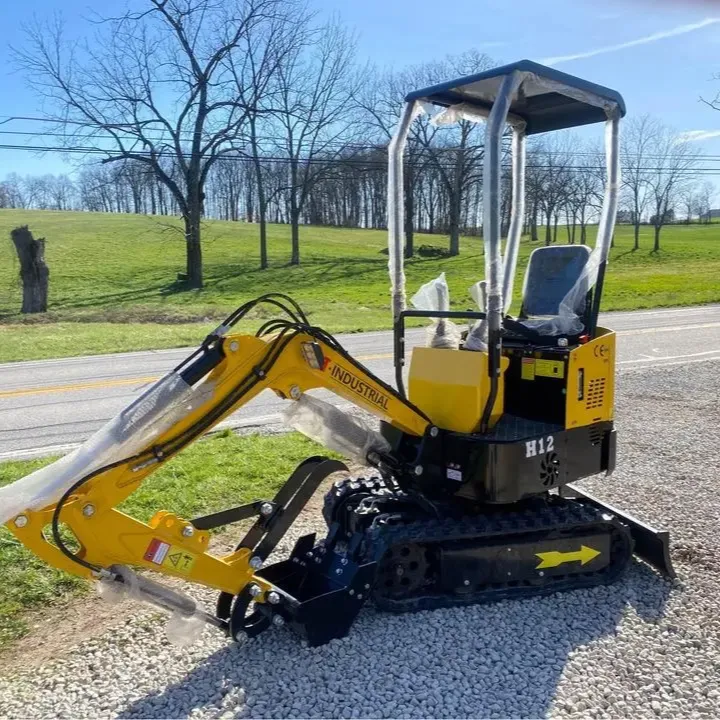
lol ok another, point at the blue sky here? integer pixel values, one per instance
(660, 55)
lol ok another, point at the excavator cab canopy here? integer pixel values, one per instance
(546, 100)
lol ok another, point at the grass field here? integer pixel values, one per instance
(213, 474)
(113, 288)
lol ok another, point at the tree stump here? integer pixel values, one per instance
(34, 273)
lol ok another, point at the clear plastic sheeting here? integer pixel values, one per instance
(186, 621)
(334, 429)
(128, 433)
(568, 320)
(477, 337)
(395, 200)
(435, 295)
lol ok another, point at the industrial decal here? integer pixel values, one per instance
(358, 386)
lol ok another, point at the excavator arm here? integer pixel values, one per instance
(82, 492)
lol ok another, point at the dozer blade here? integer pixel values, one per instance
(651, 545)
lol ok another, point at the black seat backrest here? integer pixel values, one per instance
(551, 273)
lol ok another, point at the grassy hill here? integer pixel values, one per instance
(113, 278)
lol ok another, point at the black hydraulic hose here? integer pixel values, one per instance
(289, 331)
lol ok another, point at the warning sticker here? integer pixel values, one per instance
(179, 560)
(550, 368)
(156, 552)
(528, 369)
(169, 556)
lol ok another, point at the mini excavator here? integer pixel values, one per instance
(470, 496)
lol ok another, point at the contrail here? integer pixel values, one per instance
(680, 30)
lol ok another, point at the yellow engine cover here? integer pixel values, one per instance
(452, 386)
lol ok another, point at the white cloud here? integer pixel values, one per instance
(697, 135)
(680, 30)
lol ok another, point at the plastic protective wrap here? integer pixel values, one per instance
(129, 432)
(435, 295)
(568, 321)
(334, 429)
(477, 337)
(492, 192)
(517, 216)
(185, 624)
(395, 201)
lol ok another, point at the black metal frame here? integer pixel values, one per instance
(399, 333)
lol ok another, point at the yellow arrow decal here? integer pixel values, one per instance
(554, 558)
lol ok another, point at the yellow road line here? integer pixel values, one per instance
(78, 386)
(102, 384)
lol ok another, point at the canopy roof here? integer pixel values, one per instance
(547, 99)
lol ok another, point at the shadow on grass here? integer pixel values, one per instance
(494, 641)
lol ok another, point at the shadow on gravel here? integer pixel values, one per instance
(498, 660)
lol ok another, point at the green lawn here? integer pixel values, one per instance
(213, 474)
(112, 284)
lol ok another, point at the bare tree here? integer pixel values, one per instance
(315, 87)
(705, 196)
(155, 84)
(256, 77)
(637, 146)
(672, 160)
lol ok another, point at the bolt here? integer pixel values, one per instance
(273, 598)
(418, 469)
(562, 342)
(266, 509)
(466, 583)
(360, 596)
(256, 562)
(351, 591)
(234, 345)
(88, 510)
(541, 574)
(509, 574)
(339, 571)
(434, 432)
(278, 621)
(295, 392)
(239, 636)
(21, 521)
(255, 590)
(188, 531)
(318, 559)
(367, 586)
(308, 554)
(343, 561)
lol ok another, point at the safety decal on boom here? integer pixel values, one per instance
(554, 558)
(169, 556)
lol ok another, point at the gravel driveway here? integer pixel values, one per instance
(641, 648)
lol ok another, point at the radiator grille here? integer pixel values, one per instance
(595, 394)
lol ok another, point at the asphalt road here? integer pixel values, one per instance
(50, 406)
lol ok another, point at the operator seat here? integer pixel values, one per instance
(551, 273)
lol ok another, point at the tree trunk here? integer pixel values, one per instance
(656, 246)
(262, 212)
(33, 270)
(548, 228)
(534, 223)
(194, 269)
(636, 246)
(555, 228)
(295, 237)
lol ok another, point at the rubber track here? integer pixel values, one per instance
(541, 519)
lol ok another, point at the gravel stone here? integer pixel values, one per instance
(643, 647)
